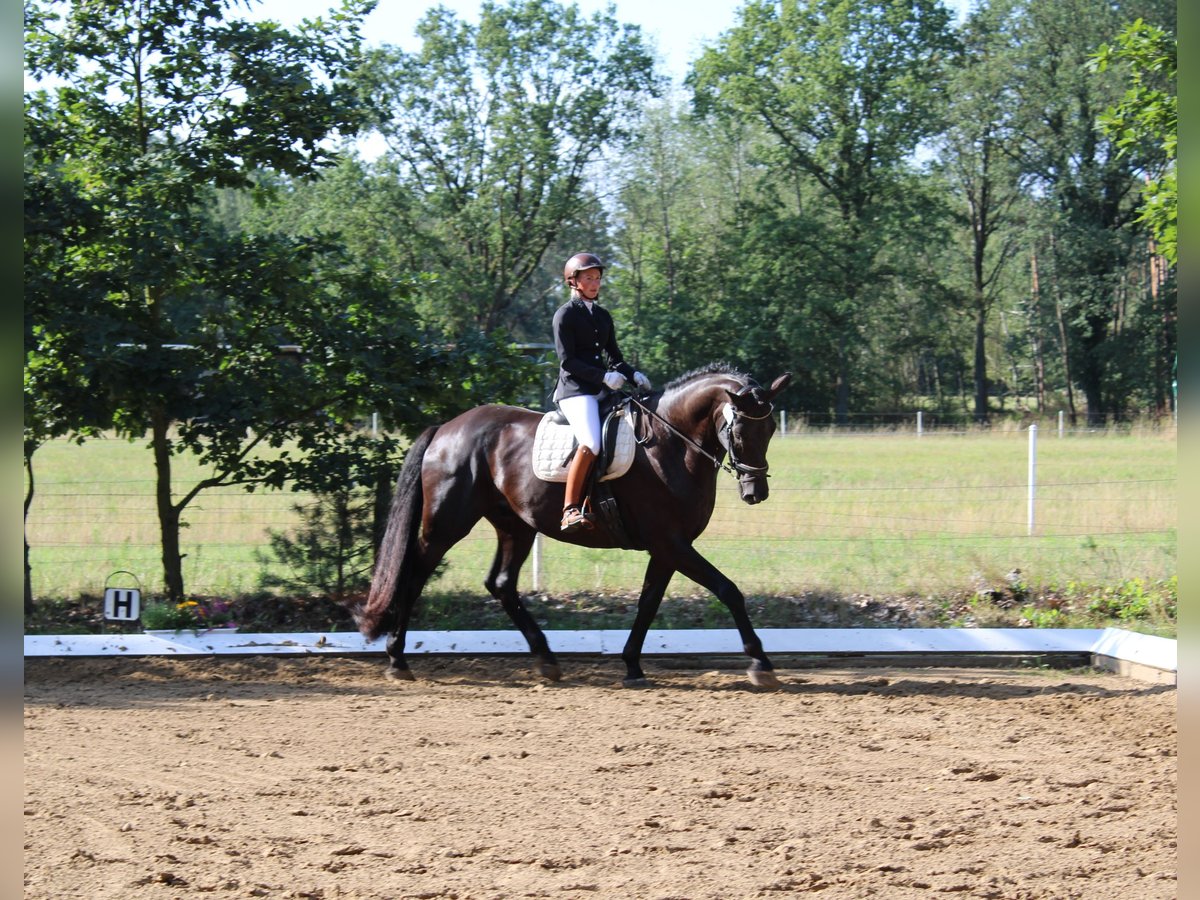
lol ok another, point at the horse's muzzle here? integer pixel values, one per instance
(754, 490)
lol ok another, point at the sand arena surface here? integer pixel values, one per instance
(316, 778)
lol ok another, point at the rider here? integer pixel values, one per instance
(584, 339)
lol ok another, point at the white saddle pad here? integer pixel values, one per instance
(552, 444)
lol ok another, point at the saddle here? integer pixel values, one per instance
(554, 444)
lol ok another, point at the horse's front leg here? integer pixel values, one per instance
(705, 574)
(654, 585)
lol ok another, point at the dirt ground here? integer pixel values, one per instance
(315, 777)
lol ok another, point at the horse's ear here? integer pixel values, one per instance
(779, 384)
(743, 400)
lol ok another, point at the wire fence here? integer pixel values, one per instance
(847, 513)
(883, 424)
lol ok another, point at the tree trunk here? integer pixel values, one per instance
(1091, 372)
(168, 513)
(981, 391)
(29, 450)
(1039, 370)
(1066, 361)
(979, 295)
(1164, 395)
(668, 249)
(1035, 336)
(842, 389)
(1096, 416)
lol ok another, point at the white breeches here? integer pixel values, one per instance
(583, 412)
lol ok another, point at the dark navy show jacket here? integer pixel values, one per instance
(586, 343)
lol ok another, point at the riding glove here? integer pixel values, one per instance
(614, 381)
(641, 381)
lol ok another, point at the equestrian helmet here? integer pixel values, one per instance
(578, 263)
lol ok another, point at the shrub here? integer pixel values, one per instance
(194, 614)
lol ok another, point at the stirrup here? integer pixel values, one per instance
(574, 519)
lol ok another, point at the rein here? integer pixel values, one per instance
(738, 468)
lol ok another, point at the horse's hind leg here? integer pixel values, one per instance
(397, 668)
(427, 555)
(514, 541)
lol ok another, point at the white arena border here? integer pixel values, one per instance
(1143, 656)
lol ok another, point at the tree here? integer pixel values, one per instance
(492, 129)
(153, 102)
(680, 192)
(1145, 122)
(847, 89)
(258, 353)
(61, 395)
(976, 153)
(1090, 189)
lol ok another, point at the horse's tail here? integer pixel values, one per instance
(393, 565)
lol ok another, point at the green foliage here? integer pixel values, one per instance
(800, 223)
(186, 217)
(847, 87)
(193, 614)
(1135, 600)
(177, 89)
(1088, 191)
(491, 129)
(976, 157)
(1051, 617)
(330, 551)
(845, 91)
(258, 353)
(1145, 122)
(1129, 603)
(151, 105)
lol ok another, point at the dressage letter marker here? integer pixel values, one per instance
(122, 604)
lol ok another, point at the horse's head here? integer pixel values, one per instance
(746, 431)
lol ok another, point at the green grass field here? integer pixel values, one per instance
(872, 514)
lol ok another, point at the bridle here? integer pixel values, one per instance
(731, 414)
(725, 436)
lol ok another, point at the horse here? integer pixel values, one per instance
(478, 466)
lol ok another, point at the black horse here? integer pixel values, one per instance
(478, 465)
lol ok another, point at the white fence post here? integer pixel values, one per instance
(920, 423)
(537, 561)
(1032, 472)
(783, 422)
(1060, 423)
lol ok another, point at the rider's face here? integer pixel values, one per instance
(587, 283)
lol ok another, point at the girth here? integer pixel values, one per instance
(603, 504)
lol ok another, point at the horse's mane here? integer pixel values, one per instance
(713, 368)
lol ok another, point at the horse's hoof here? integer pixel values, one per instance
(763, 678)
(550, 671)
(642, 682)
(391, 673)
